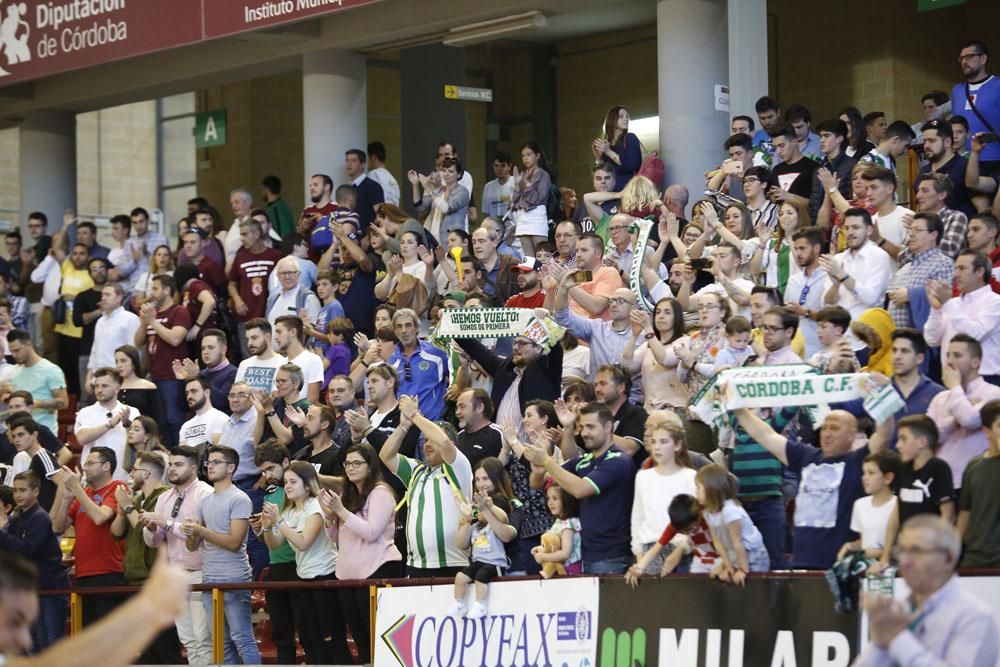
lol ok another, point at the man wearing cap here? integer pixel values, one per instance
(533, 371)
(531, 294)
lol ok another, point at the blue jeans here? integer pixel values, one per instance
(239, 644)
(608, 566)
(768, 514)
(51, 623)
(171, 392)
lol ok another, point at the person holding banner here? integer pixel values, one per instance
(830, 481)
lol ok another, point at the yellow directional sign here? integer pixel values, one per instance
(468, 93)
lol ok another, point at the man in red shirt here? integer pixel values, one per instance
(91, 510)
(195, 243)
(320, 194)
(531, 295)
(163, 329)
(248, 277)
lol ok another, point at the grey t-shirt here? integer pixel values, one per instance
(216, 511)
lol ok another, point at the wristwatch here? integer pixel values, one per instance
(129, 509)
(832, 190)
(651, 334)
(170, 524)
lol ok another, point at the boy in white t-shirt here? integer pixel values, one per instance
(871, 514)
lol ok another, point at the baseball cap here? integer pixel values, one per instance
(529, 264)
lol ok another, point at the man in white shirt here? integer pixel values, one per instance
(115, 327)
(207, 423)
(288, 333)
(725, 264)
(124, 269)
(976, 312)
(856, 278)
(804, 291)
(292, 298)
(891, 221)
(259, 370)
(143, 242)
(378, 173)
(498, 192)
(104, 423)
(241, 202)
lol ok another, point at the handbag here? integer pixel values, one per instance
(59, 311)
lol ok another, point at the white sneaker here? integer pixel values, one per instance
(478, 609)
(457, 609)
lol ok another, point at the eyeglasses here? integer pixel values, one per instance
(177, 507)
(288, 274)
(239, 394)
(520, 343)
(353, 465)
(968, 56)
(618, 300)
(900, 550)
(617, 228)
(215, 462)
(767, 328)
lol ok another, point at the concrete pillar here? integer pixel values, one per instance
(427, 117)
(48, 165)
(334, 110)
(691, 60)
(747, 55)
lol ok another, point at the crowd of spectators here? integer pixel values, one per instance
(268, 395)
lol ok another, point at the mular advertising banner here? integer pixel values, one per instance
(694, 622)
(529, 623)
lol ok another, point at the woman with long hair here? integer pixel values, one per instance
(618, 146)
(539, 417)
(857, 143)
(773, 257)
(160, 262)
(300, 523)
(735, 228)
(413, 260)
(650, 348)
(143, 435)
(697, 354)
(361, 519)
(136, 390)
(531, 196)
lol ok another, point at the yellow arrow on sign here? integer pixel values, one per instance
(451, 92)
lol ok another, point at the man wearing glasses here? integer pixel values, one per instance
(220, 525)
(939, 623)
(90, 510)
(292, 298)
(163, 526)
(978, 100)
(147, 487)
(927, 263)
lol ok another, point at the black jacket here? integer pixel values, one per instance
(542, 378)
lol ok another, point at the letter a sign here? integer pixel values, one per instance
(210, 129)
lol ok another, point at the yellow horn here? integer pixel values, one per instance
(456, 252)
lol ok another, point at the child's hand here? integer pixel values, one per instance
(632, 576)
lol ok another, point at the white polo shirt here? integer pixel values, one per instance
(96, 415)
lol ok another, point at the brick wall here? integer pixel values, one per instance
(594, 74)
(116, 159)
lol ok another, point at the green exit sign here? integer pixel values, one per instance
(928, 5)
(210, 128)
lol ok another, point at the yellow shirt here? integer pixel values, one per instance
(74, 281)
(798, 341)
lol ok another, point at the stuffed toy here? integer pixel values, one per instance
(551, 542)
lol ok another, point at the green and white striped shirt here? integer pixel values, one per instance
(432, 513)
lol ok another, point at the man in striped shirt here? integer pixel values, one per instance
(434, 488)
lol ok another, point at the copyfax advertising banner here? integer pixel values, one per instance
(529, 623)
(695, 622)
